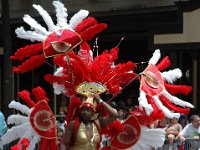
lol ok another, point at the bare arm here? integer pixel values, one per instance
(67, 137)
(112, 112)
(110, 118)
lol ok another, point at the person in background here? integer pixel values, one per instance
(173, 129)
(183, 121)
(131, 104)
(3, 128)
(190, 130)
(121, 114)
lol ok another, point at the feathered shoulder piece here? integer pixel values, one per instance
(36, 122)
(100, 70)
(56, 38)
(156, 90)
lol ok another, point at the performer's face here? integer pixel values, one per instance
(87, 113)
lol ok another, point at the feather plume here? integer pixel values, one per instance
(34, 141)
(169, 105)
(178, 89)
(27, 51)
(25, 96)
(176, 100)
(46, 17)
(147, 139)
(156, 56)
(18, 106)
(59, 88)
(172, 75)
(39, 94)
(17, 119)
(85, 54)
(165, 62)
(143, 103)
(29, 35)
(90, 21)
(77, 18)
(74, 105)
(61, 14)
(112, 129)
(35, 25)
(15, 133)
(90, 32)
(30, 64)
(165, 110)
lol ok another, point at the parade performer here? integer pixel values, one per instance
(36, 124)
(83, 78)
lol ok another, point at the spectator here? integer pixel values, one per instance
(173, 129)
(121, 114)
(190, 130)
(3, 128)
(183, 121)
(130, 104)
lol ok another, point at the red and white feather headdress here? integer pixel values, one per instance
(57, 39)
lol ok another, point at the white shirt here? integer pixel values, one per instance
(189, 131)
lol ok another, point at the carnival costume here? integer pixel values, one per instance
(35, 125)
(83, 74)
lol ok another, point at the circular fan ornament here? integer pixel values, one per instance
(43, 121)
(156, 89)
(129, 136)
(36, 121)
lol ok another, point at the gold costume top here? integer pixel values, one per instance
(82, 142)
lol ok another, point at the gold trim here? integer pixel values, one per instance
(71, 49)
(123, 123)
(53, 117)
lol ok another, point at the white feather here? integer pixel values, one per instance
(156, 56)
(46, 17)
(61, 14)
(176, 100)
(17, 119)
(33, 142)
(18, 106)
(59, 88)
(59, 71)
(149, 138)
(144, 104)
(165, 110)
(35, 25)
(172, 75)
(15, 132)
(77, 18)
(29, 35)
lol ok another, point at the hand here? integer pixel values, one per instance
(96, 96)
(182, 139)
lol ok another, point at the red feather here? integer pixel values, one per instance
(90, 32)
(171, 106)
(25, 96)
(39, 94)
(164, 64)
(73, 109)
(112, 129)
(178, 89)
(85, 54)
(30, 64)
(85, 24)
(27, 51)
(60, 60)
